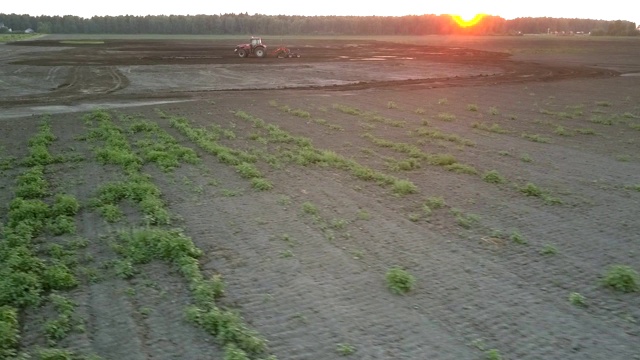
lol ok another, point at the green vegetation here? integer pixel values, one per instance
(345, 349)
(622, 278)
(586, 131)
(368, 116)
(517, 238)
(363, 215)
(158, 146)
(462, 169)
(81, 42)
(472, 107)
(561, 131)
(403, 187)
(536, 138)
(494, 128)
(577, 299)
(466, 221)
(295, 112)
(531, 189)
(399, 281)
(301, 151)
(446, 117)
(309, 208)
(526, 158)
(493, 354)
(437, 134)
(15, 37)
(60, 327)
(9, 331)
(207, 140)
(602, 120)
(435, 202)
(493, 177)
(548, 249)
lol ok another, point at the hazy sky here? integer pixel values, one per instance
(607, 10)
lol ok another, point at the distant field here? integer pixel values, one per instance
(16, 37)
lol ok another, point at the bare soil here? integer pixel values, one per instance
(310, 283)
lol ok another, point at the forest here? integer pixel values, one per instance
(243, 23)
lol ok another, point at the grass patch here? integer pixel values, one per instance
(345, 349)
(517, 238)
(472, 107)
(493, 354)
(549, 249)
(493, 177)
(466, 221)
(561, 131)
(602, 120)
(536, 138)
(310, 208)
(261, 184)
(526, 158)
(437, 134)
(531, 189)
(494, 111)
(435, 202)
(9, 331)
(446, 117)
(399, 281)
(462, 169)
(404, 187)
(577, 299)
(586, 131)
(622, 278)
(494, 128)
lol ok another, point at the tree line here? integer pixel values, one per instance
(308, 25)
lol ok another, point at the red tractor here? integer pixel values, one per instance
(255, 47)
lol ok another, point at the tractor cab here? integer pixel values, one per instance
(255, 41)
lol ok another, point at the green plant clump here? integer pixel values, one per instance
(493, 177)
(399, 281)
(9, 331)
(345, 349)
(622, 278)
(577, 299)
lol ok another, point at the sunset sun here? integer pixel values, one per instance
(467, 20)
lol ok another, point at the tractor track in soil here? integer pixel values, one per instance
(95, 71)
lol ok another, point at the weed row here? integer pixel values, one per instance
(241, 160)
(25, 276)
(143, 245)
(369, 116)
(305, 154)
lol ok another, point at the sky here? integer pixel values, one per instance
(508, 9)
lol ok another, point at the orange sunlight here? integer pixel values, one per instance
(466, 20)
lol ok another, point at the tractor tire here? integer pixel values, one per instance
(259, 52)
(242, 53)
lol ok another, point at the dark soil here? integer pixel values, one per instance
(309, 283)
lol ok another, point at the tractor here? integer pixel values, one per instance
(255, 47)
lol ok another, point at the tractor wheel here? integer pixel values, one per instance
(242, 53)
(259, 52)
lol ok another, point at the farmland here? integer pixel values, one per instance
(412, 198)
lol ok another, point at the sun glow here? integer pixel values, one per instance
(467, 20)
